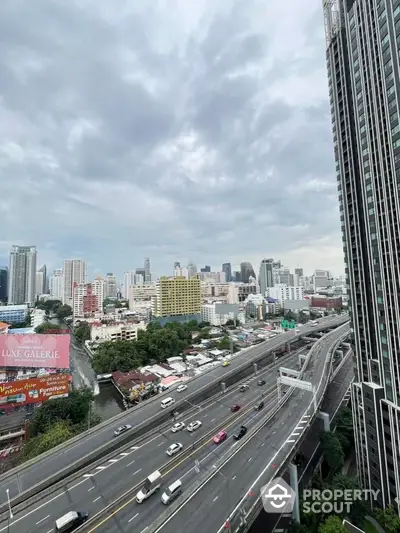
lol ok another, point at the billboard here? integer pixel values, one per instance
(34, 351)
(34, 390)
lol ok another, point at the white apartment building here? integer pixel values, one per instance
(99, 289)
(283, 292)
(116, 332)
(130, 278)
(111, 286)
(22, 275)
(37, 317)
(233, 293)
(140, 296)
(321, 279)
(180, 272)
(57, 284)
(213, 277)
(84, 300)
(75, 271)
(209, 314)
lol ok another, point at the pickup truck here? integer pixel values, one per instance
(151, 485)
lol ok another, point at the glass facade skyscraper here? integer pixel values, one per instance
(362, 49)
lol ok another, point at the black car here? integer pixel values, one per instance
(259, 406)
(241, 433)
(261, 382)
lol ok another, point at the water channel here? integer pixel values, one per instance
(107, 400)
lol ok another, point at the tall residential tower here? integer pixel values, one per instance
(362, 50)
(22, 275)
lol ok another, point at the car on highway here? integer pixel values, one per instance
(181, 388)
(226, 363)
(244, 387)
(241, 433)
(235, 408)
(261, 382)
(177, 427)
(174, 449)
(220, 437)
(194, 425)
(122, 429)
(259, 406)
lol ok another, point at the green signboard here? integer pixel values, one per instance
(288, 324)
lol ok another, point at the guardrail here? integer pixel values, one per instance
(57, 480)
(236, 518)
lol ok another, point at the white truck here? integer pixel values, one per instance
(150, 486)
(70, 521)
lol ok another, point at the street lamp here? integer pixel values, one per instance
(10, 515)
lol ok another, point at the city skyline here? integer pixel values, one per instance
(212, 178)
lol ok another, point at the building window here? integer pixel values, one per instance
(380, 300)
(396, 144)
(390, 90)
(385, 40)
(396, 11)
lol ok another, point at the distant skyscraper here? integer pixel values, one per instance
(362, 41)
(299, 272)
(3, 283)
(129, 280)
(266, 275)
(75, 271)
(227, 268)
(22, 275)
(236, 276)
(41, 281)
(111, 286)
(192, 270)
(56, 283)
(177, 265)
(207, 268)
(246, 271)
(147, 270)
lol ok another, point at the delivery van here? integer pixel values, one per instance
(70, 521)
(167, 402)
(150, 486)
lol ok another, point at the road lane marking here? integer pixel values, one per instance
(234, 477)
(43, 519)
(131, 463)
(299, 427)
(96, 499)
(124, 454)
(133, 448)
(215, 499)
(137, 472)
(88, 475)
(295, 434)
(213, 420)
(291, 440)
(249, 459)
(143, 530)
(133, 517)
(102, 467)
(51, 531)
(161, 444)
(113, 460)
(91, 488)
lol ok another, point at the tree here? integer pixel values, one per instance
(297, 528)
(359, 508)
(64, 311)
(82, 332)
(289, 315)
(58, 433)
(50, 306)
(333, 524)
(388, 519)
(45, 326)
(332, 450)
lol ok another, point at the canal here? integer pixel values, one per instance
(107, 400)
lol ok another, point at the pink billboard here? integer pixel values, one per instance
(37, 351)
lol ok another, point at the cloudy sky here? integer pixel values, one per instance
(179, 130)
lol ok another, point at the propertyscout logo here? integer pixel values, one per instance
(278, 497)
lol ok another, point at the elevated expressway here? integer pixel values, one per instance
(214, 478)
(43, 472)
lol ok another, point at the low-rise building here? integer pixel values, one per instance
(4, 328)
(135, 385)
(284, 292)
(218, 313)
(38, 316)
(13, 314)
(115, 332)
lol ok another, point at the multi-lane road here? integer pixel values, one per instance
(97, 487)
(22, 478)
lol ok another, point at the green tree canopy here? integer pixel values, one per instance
(333, 524)
(58, 433)
(332, 450)
(45, 326)
(63, 311)
(388, 519)
(50, 306)
(82, 332)
(359, 508)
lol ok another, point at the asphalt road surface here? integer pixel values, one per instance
(98, 487)
(18, 481)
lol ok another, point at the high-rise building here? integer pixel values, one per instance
(266, 275)
(227, 268)
(3, 283)
(177, 264)
(246, 271)
(56, 283)
(141, 272)
(22, 275)
(99, 290)
(299, 272)
(321, 279)
(192, 270)
(41, 281)
(85, 301)
(177, 297)
(129, 280)
(75, 271)
(363, 71)
(147, 270)
(205, 269)
(111, 285)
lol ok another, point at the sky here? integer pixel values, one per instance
(181, 131)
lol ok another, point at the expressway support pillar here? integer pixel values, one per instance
(294, 483)
(255, 368)
(340, 354)
(223, 387)
(326, 420)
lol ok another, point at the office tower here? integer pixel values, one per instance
(246, 272)
(75, 271)
(236, 276)
(266, 275)
(177, 297)
(299, 272)
(363, 73)
(41, 281)
(129, 280)
(141, 272)
(111, 285)
(22, 275)
(56, 284)
(321, 279)
(147, 270)
(192, 270)
(227, 268)
(3, 284)
(205, 269)
(177, 264)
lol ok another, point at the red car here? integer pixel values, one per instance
(235, 407)
(220, 437)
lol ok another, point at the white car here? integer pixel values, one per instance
(194, 425)
(177, 427)
(122, 429)
(174, 448)
(181, 388)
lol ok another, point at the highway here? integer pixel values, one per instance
(97, 487)
(26, 476)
